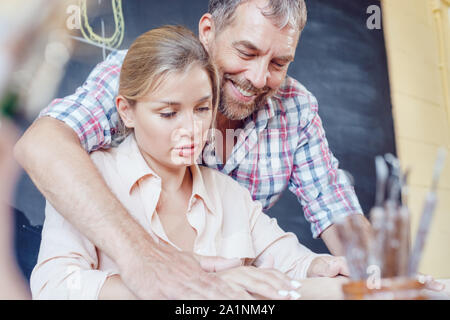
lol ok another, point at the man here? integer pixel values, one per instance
(280, 142)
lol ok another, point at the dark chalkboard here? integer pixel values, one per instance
(343, 64)
(339, 60)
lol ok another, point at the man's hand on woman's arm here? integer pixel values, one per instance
(262, 283)
(61, 169)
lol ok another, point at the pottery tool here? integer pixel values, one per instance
(427, 215)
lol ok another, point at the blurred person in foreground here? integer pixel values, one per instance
(12, 282)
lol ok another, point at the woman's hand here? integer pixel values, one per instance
(261, 283)
(328, 266)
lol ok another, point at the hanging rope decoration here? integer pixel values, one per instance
(116, 39)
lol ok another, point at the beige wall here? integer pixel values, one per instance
(417, 43)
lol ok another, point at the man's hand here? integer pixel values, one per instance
(215, 264)
(114, 287)
(261, 283)
(328, 266)
(170, 274)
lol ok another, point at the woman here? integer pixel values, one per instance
(167, 101)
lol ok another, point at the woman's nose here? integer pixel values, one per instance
(189, 127)
(188, 123)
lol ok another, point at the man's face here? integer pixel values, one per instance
(252, 55)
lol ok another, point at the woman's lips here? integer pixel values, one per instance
(186, 151)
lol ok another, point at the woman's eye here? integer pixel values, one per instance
(167, 115)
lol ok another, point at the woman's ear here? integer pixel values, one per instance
(206, 30)
(126, 112)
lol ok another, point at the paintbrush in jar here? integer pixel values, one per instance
(404, 228)
(377, 214)
(391, 243)
(393, 250)
(427, 214)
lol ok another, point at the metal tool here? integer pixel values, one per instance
(404, 228)
(382, 172)
(427, 214)
(377, 214)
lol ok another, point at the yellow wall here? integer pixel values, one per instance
(417, 41)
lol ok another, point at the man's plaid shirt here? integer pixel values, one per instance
(282, 145)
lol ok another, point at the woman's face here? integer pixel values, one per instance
(171, 124)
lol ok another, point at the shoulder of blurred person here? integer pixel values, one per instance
(12, 282)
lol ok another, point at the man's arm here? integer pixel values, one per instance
(332, 241)
(324, 190)
(61, 169)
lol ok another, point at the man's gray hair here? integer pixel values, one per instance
(281, 12)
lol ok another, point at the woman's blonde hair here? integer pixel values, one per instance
(158, 53)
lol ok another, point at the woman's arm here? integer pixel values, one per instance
(270, 241)
(289, 255)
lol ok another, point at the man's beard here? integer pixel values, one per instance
(236, 110)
